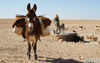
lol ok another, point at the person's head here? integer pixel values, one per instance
(56, 15)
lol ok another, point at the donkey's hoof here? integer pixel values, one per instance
(35, 57)
(29, 56)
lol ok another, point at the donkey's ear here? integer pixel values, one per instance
(34, 8)
(28, 6)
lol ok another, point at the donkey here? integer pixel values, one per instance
(33, 30)
(20, 21)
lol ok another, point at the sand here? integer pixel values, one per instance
(50, 50)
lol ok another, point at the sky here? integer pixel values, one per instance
(66, 9)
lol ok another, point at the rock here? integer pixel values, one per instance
(67, 36)
(99, 43)
(1, 61)
(81, 57)
(95, 38)
(60, 40)
(91, 37)
(74, 31)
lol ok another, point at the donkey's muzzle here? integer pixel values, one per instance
(30, 26)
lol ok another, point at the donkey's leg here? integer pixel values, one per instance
(34, 44)
(29, 50)
(34, 48)
(23, 33)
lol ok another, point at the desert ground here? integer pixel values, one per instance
(50, 50)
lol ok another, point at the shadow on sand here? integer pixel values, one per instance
(59, 60)
(86, 41)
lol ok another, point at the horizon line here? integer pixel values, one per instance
(63, 19)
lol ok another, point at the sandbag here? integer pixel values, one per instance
(17, 30)
(46, 32)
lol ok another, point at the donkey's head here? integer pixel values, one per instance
(31, 16)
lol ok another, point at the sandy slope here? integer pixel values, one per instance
(49, 50)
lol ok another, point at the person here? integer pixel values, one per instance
(57, 24)
(62, 27)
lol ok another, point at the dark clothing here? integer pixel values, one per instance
(57, 24)
(56, 21)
